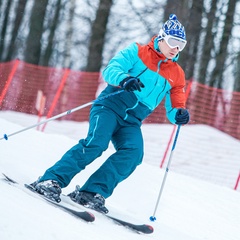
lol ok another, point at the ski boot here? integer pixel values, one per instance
(88, 199)
(49, 188)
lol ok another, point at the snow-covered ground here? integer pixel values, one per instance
(190, 208)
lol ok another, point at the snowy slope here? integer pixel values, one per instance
(190, 209)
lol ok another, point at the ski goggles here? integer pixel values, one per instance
(172, 41)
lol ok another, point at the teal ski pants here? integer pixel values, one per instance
(104, 126)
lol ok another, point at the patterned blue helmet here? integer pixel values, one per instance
(172, 27)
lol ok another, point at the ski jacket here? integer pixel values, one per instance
(162, 77)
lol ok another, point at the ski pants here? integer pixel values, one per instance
(104, 126)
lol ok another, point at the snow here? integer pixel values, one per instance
(190, 208)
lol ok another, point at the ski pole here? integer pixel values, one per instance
(153, 218)
(5, 136)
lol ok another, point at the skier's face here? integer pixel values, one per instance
(167, 51)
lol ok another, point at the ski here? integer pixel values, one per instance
(83, 215)
(139, 228)
(142, 228)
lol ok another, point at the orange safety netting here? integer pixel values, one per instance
(65, 89)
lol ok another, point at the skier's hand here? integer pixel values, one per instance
(131, 84)
(182, 116)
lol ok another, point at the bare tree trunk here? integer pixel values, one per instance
(69, 34)
(208, 44)
(4, 29)
(193, 28)
(94, 61)
(45, 58)
(89, 83)
(236, 86)
(19, 16)
(32, 52)
(217, 74)
(67, 60)
(33, 41)
(177, 7)
(233, 117)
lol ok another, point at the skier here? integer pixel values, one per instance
(147, 74)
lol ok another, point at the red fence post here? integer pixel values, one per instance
(168, 146)
(40, 104)
(237, 182)
(9, 80)
(54, 102)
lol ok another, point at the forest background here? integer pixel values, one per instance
(84, 35)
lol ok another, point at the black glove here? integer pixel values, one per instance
(131, 84)
(182, 116)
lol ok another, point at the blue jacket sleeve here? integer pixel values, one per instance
(120, 64)
(170, 111)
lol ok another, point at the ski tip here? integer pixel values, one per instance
(148, 229)
(152, 219)
(91, 217)
(8, 178)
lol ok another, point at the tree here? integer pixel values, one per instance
(208, 42)
(222, 53)
(98, 31)
(180, 8)
(20, 9)
(33, 41)
(69, 34)
(95, 50)
(4, 29)
(45, 57)
(188, 58)
(237, 74)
